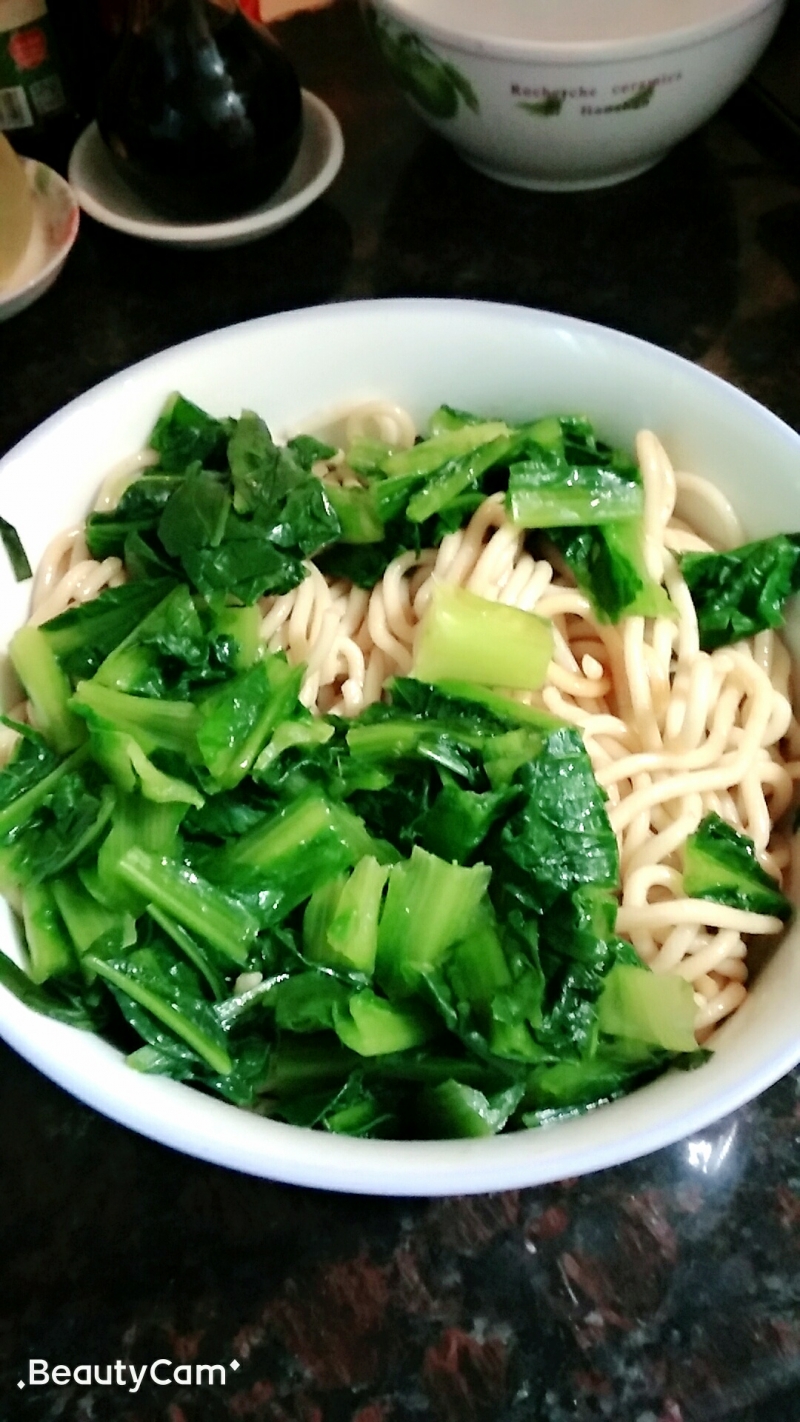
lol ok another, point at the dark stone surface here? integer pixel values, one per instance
(664, 1291)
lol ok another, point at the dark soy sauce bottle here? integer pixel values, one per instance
(200, 109)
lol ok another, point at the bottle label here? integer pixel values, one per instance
(30, 83)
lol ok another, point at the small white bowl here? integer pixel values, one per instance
(569, 94)
(504, 360)
(105, 195)
(56, 217)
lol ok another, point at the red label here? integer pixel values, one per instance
(28, 47)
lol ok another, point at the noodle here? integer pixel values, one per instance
(673, 733)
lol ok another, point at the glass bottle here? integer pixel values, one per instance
(200, 109)
(86, 43)
(38, 112)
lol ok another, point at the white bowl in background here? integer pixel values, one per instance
(56, 218)
(503, 360)
(568, 94)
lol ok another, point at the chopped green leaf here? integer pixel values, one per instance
(720, 863)
(739, 593)
(656, 1009)
(15, 552)
(466, 637)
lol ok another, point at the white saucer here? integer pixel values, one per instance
(106, 196)
(55, 226)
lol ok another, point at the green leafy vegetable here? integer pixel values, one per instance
(136, 515)
(373, 1027)
(340, 923)
(545, 491)
(50, 1000)
(48, 688)
(141, 978)
(656, 1010)
(240, 716)
(199, 906)
(15, 552)
(83, 636)
(560, 837)
(742, 592)
(453, 1109)
(607, 563)
(429, 905)
(48, 946)
(397, 925)
(467, 637)
(720, 864)
(184, 433)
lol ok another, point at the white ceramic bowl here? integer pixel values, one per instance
(565, 94)
(499, 359)
(56, 218)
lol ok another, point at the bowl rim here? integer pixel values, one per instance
(182, 1117)
(484, 43)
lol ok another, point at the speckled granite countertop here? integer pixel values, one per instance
(665, 1291)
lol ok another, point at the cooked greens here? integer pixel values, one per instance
(399, 925)
(394, 926)
(741, 592)
(721, 864)
(15, 552)
(233, 515)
